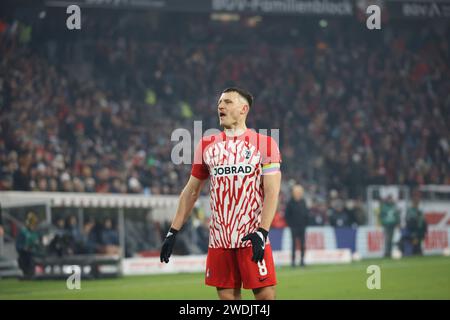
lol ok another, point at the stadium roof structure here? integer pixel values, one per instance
(87, 200)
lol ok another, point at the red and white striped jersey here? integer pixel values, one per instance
(235, 166)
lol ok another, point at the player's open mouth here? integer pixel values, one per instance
(221, 114)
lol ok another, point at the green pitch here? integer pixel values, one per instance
(408, 278)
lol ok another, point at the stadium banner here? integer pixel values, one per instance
(328, 256)
(317, 238)
(280, 7)
(370, 242)
(276, 238)
(436, 240)
(436, 213)
(419, 9)
(197, 263)
(406, 9)
(321, 249)
(298, 7)
(157, 5)
(89, 266)
(345, 238)
(415, 9)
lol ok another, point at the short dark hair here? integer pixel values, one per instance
(242, 92)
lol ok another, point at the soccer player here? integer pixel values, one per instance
(244, 171)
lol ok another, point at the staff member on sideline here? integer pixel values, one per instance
(296, 216)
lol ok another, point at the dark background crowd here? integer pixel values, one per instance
(93, 110)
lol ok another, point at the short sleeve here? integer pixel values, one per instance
(199, 167)
(270, 156)
(270, 153)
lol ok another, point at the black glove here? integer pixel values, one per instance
(168, 244)
(258, 240)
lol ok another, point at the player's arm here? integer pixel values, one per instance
(271, 176)
(272, 185)
(186, 202)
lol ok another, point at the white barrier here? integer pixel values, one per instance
(153, 265)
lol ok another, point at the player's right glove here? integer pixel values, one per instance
(167, 246)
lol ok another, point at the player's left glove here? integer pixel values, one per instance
(258, 240)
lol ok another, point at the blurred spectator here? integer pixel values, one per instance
(62, 243)
(21, 176)
(189, 236)
(354, 212)
(28, 245)
(297, 216)
(75, 234)
(109, 238)
(102, 122)
(337, 213)
(360, 212)
(416, 227)
(200, 229)
(185, 245)
(390, 219)
(152, 233)
(318, 213)
(143, 236)
(89, 237)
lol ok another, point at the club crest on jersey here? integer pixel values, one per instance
(231, 170)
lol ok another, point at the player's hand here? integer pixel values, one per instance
(258, 240)
(167, 246)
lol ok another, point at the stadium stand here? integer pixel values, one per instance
(95, 113)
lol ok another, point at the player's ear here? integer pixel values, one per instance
(245, 109)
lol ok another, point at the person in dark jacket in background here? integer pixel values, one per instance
(109, 238)
(21, 177)
(297, 216)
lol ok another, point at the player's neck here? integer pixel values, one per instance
(235, 131)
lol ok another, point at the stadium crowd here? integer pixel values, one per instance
(94, 112)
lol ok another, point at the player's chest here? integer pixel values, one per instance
(231, 152)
